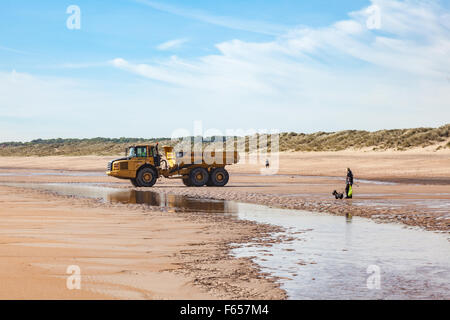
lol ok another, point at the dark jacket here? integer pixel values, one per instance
(349, 177)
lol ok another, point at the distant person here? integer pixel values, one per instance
(349, 184)
(267, 164)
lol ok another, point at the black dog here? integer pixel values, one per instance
(338, 195)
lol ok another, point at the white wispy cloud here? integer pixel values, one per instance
(172, 44)
(13, 50)
(74, 65)
(35, 106)
(421, 48)
(400, 70)
(227, 22)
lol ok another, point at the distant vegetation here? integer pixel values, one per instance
(72, 147)
(400, 139)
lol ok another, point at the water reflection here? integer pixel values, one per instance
(174, 203)
(348, 218)
(170, 202)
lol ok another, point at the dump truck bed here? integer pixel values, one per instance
(212, 158)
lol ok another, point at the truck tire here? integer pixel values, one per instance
(134, 183)
(219, 177)
(198, 177)
(146, 177)
(187, 182)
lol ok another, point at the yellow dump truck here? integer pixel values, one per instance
(143, 165)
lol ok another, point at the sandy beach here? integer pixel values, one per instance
(128, 251)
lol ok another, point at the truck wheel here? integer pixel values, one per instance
(134, 183)
(219, 177)
(198, 177)
(187, 182)
(146, 177)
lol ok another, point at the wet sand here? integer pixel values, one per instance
(126, 251)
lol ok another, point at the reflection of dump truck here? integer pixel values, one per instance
(143, 165)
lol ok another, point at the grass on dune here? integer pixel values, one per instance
(398, 139)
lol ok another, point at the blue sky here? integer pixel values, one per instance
(147, 68)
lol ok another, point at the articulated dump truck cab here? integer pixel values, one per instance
(143, 165)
